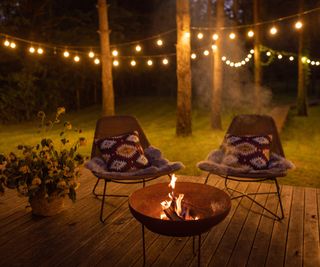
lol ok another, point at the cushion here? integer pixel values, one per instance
(123, 153)
(251, 151)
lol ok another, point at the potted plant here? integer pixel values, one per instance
(45, 172)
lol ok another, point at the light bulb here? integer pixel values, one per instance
(273, 30)
(298, 25)
(76, 58)
(317, 63)
(215, 37)
(200, 35)
(250, 33)
(308, 61)
(268, 53)
(232, 35)
(133, 63)
(115, 53)
(149, 62)
(252, 51)
(223, 58)
(313, 62)
(291, 58)
(243, 62)
(214, 47)
(279, 56)
(32, 49)
(303, 59)
(138, 48)
(193, 56)
(96, 61)
(247, 59)
(115, 63)
(165, 61)
(231, 64)
(206, 52)
(13, 45)
(66, 54)
(228, 62)
(249, 56)
(159, 42)
(6, 43)
(40, 51)
(91, 54)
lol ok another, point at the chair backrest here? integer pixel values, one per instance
(109, 126)
(253, 124)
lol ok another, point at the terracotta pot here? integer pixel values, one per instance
(42, 206)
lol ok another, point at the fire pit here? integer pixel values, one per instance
(206, 207)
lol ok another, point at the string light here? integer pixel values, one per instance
(273, 30)
(252, 51)
(13, 45)
(193, 56)
(66, 54)
(206, 52)
(133, 63)
(215, 36)
(228, 62)
(250, 33)
(268, 53)
(32, 49)
(6, 43)
(91, 54)
(96, 61)
(138, 48)
(238, 63)
(249, 56)
(214, 47)
(115, 63)
(223, 58)
(40, 51)
(200, 35)
(291, 58)
(298, 25)
(149, 62)
(115, 53)
(76, 58)
(279, 56)
(304, 59)
(159, 42)
(165, 61)
(232, 36)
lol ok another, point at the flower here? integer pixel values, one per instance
(49, 167)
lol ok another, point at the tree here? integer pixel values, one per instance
(257, 57)
(106, 61)
(183, 127)
(217, 81)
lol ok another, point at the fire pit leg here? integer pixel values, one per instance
(199, 250)
(143, 246)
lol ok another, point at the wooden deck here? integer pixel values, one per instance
(245, 238)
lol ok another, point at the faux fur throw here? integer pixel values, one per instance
(214, 163)
(158, 164)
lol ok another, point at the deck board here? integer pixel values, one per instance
(246, 237)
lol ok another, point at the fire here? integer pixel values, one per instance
(173, 182)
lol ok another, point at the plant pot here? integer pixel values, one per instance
(42, 206)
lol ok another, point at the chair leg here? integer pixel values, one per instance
(102, 203)
(279, 197)
(205, 182)
(95, 186)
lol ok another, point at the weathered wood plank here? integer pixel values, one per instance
(311, 250)
(278, 242)
(294, 250)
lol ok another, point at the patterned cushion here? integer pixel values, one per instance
(247, 151)
(123, 153)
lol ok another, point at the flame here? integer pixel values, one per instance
(163, 216)
(165, 204)
(178, 208)
(173, 181)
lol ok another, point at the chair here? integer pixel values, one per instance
(254, 125)
(110, 126)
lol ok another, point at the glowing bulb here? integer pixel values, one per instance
(228, 62)
(13, 45)
(232, 36)
(149, 62)
(200, 35)
(96, 61)
(215, 37)
(308, 61)
(193, 56)
(66, 54)
(115, 53)
(206, 52)
(6, 43)
(313, 62)
(31, 49)
(91, 54)
(243, 62)
(250, 33)
(133, 63)
(115, 63)
(249, 56)
(138, 48)
(76, 58)
(252, 51)
(159, 42)
(317, 63)
(298, 25)
(40, 51)
(165, 61)
(231, 64)
(268, 53)
(223, 58)
(303, 59)
(279, 56)
(273, 30)
(291, 58)
(247, 59)
(214, 47)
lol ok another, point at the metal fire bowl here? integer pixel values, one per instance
(210, 204)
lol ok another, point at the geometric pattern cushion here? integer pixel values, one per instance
(247, 151)
(123, 153)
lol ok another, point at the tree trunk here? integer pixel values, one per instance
(106, 61)
(183, 127)
(257, 57)
(302, 107)
(217, 70)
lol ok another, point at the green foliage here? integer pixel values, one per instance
(46, 167)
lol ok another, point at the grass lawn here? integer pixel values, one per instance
(300, 136)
